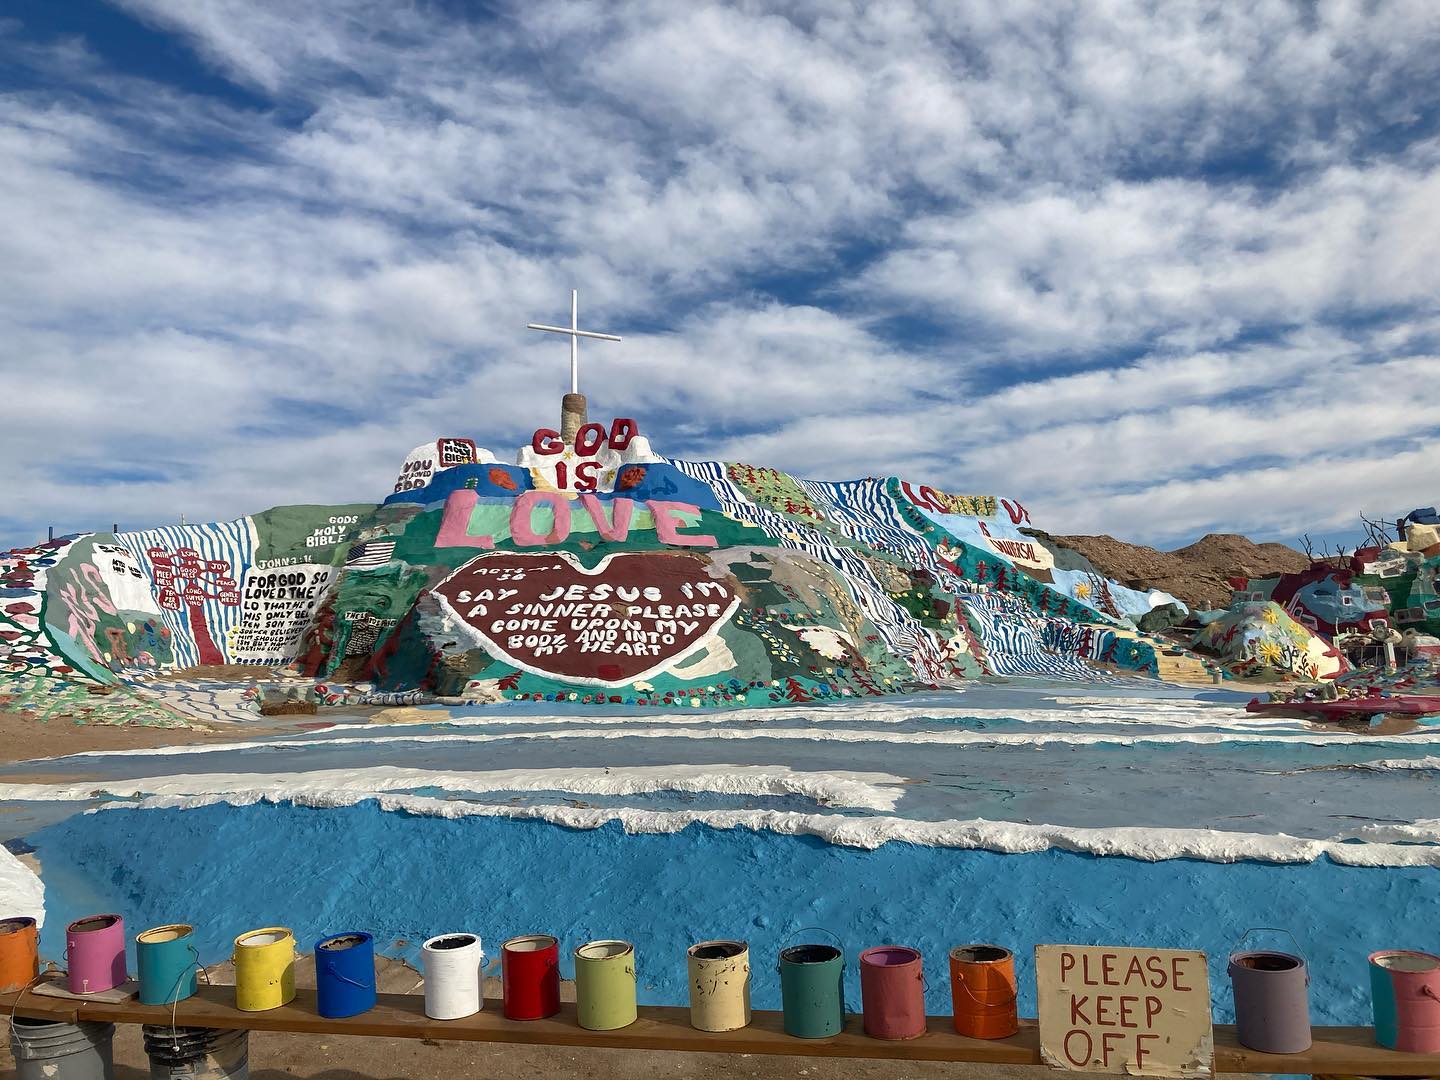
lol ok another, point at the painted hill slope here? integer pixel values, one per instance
(592, 570)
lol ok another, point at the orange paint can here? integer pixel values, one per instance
(983, 992)
(19, 953)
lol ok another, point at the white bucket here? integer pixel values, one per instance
(453, 979)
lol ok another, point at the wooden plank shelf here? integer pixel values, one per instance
(1336, 1049)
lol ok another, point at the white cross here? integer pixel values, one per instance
(575, 335)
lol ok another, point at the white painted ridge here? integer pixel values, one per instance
(842, 735)
(1187, 716)
(870, 791)
(1420, 764)
(1147, 844)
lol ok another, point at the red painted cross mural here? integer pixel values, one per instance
(181, 578)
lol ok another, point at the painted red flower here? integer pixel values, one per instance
(501, 478)
(630, 477)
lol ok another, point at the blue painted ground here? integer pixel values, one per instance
(406, 877)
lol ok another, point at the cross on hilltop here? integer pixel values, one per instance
(573, 409)
(575, 335)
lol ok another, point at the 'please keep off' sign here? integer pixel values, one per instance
(1142, 1012)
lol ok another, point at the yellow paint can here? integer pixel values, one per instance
(264, 969)
(719, 985)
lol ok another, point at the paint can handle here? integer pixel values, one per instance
(790, 940)
(175, 992)
(1272, 929)
(1014, 996)
(1429, 991)
(15, 1005)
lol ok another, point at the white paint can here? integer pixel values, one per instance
(453, 979)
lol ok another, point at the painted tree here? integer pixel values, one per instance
(794, 691)
(182, 577)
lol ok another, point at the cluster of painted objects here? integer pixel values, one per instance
(1270, 987)
(1321, 621)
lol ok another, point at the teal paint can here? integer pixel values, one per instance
(812, 990)
(167, 960)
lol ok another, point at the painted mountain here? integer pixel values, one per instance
(592, 570)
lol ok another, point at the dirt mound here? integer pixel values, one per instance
(1195, 573)
(1245, 558)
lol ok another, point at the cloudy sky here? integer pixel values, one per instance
(1153, 269)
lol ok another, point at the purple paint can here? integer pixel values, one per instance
(892, 992)
(1272, 1001)
(95, 953)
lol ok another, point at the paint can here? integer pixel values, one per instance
(719, 985)
(605, 985)
(452, 963)
(983, 991)
(19, 953)
(1405, 994)
(1272, 997)
(345, 975)
(264, 969)
(191, 1053)
(166, 959)
(55, 1050)
(530, 977)
(95, 953)
(892, 992)
(812, 990)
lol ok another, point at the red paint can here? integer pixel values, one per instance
(892, 992)
(530, 977)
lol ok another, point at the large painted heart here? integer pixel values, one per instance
(629, 618)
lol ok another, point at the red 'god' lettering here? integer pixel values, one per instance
(588, 440)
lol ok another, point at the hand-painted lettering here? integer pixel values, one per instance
(668, 522)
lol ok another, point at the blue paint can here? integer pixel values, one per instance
(345, 975)
(167, 960)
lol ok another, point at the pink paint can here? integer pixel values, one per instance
(1405, 992)
(95, 953)
(892, 992)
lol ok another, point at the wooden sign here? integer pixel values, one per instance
(1141, 1012)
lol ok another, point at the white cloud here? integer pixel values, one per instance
(1074, 270)
(843, 239)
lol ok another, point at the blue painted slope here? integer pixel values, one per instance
(229, 869)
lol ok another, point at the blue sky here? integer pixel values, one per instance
(1154, 270)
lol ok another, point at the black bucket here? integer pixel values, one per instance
(190, 1053)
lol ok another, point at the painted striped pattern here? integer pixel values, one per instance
(1014, 639)
(865, 512)
(899, 630)
(231, 541)
(1017, 641)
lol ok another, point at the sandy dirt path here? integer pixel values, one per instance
(22, 739)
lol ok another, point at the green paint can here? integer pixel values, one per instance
(812, 990)
(605, 985)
